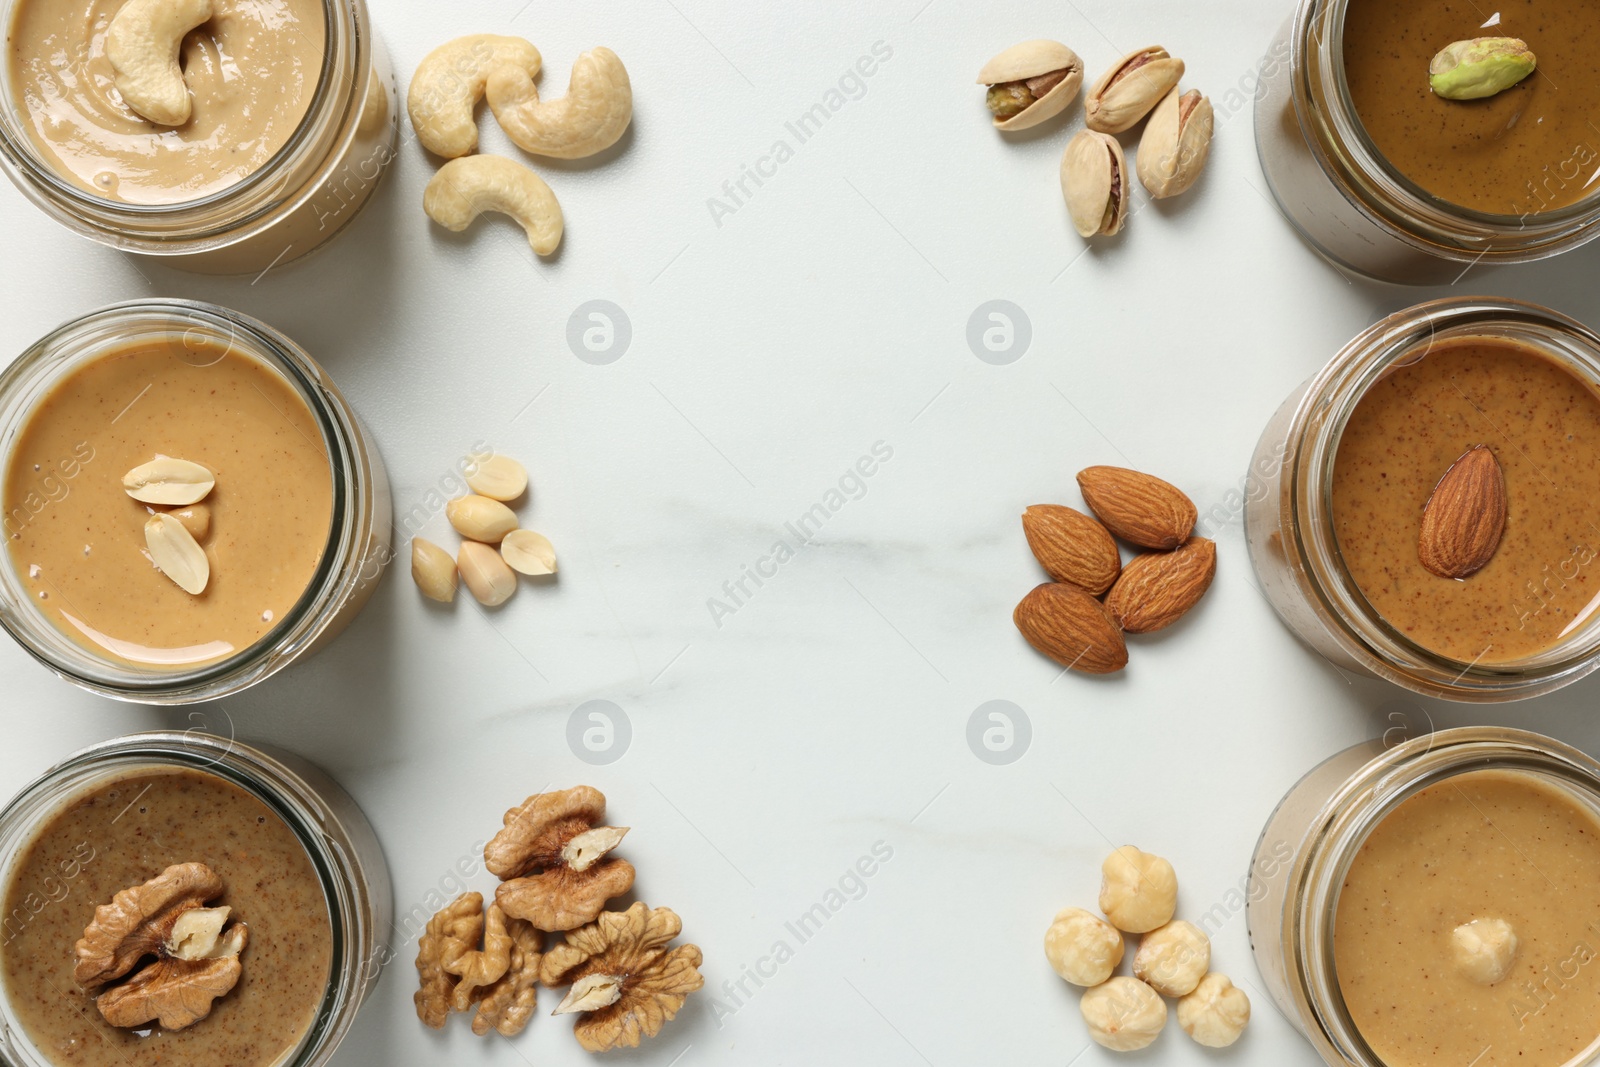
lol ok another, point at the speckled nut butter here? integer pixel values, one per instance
(1466, 926)
(77, 539)
(123, 832)
(1529, 149)
(1543, 426)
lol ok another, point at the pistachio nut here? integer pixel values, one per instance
(1481, 67)
(1094, 180)
(1176, 143)
(1134, 84)
(1031, 82)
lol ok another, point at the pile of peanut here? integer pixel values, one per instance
(495, 548)
(1139, 894)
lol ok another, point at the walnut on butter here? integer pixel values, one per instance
(195, 952)
(553, 857)
(625, 982)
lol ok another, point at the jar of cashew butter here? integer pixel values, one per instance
(1465, 427)
(1433, 902)
(186, 898)
(1387, 178)
(189, 504)
(264, 139)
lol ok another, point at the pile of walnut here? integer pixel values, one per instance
(624, 979)
(189, 953)
(485, 521)
(1079, 618)
(446, 90)
(1139, 893)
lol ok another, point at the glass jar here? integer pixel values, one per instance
(310, 190)
(1348, 202)
(1289, 521)
(359, 536)
(1311, 839)
(336, 835)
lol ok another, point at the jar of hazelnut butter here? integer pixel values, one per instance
(1434, 902)
(227, 135)
(182, 898)
(189, 504)
(1429, 504)
(1406, 141)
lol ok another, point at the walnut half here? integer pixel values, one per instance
(626, 983)
(501, 977)
(196, 954)
(554, 859)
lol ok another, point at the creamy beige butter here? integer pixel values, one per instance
(253, 70)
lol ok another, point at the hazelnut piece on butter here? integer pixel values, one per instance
(1484, 949)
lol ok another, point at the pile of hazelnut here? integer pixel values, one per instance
(1139, 894)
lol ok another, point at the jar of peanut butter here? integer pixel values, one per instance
(1354, 463)
(291, 858)
(1432, 901)
(279, 544)
(289, 123)
(1386, 178)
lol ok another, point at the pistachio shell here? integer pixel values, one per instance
(1176, 143)
(1126, 93)
(1481, 67)
(1031, 59)
(1094, 181)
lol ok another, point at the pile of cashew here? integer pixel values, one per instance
(142, 46)
(444, 96)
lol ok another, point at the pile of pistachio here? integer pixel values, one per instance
(1036, 80)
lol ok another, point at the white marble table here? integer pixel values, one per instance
(777, 340)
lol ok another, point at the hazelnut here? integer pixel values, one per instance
(1138, 891)
(1484, 949)
(1124, 1015)
(1173, 959)
(1083, 948)
(1215, 1014)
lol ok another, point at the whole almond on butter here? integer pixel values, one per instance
(1072, 628)
(1465, 517)
(1140, 508)
(1158, 588)
(1072, 547)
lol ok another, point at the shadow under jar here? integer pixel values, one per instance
(293, 123)
(1434, 902)
(299, 864)
(295, 531)
(1387, 179)
(1346, 467)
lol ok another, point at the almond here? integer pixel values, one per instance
(1072, 547)
(1465, 517)
(1139, 508)
(1158, 588)
(1072, 628)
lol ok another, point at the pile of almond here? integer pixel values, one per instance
(1079, 618)
(495, 548)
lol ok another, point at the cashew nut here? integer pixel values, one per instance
(466, 188)
(142, 45)
(589, 119)
(449, 83)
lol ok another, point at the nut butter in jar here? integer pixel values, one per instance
(1386, 178)
(292, 528)
(293, 121)
(293, 859)
(1434, 902)
(1350, 463)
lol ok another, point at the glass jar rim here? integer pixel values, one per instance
(1354, 162)
(68, 658)
(250, 203)
(1314, 436)
(275, 784)
(1364, 800)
